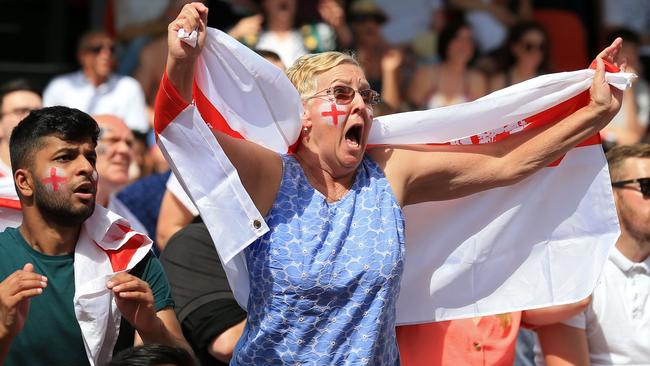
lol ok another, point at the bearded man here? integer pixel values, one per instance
(53, 160)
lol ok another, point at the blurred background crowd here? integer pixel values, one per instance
(106, 57)
(418, 54)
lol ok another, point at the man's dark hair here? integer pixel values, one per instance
(68, 124)
(618, 154)
(152, 355)
(16, 85)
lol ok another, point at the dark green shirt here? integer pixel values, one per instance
(51, 335)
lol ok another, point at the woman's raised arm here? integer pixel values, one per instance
(259, 169)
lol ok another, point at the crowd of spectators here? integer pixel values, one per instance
(419, 54)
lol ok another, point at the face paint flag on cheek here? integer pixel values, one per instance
(54, 179)
(333, 113)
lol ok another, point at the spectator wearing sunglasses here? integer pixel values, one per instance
(615, 327)
(524, 57)
(453, 80)
(95, 89)
(17, 98)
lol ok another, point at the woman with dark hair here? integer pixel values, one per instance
(525, 55)
(451, 81)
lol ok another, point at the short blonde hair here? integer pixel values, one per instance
(619, 154)
(304, 71)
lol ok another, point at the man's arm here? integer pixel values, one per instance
(417, 175)
(224, 344)
(173, 217)
(135, 300)
(563, 345)
(213, 327)
(169, 333)
(554, 314)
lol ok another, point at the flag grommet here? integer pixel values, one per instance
(257, 224)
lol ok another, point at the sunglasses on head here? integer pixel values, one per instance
(345, 94)
(644, 183)
(96, 49)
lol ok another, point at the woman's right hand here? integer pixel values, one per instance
(181, 56)
(605, 100)
(192, 17)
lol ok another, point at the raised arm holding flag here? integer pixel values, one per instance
(325, 278)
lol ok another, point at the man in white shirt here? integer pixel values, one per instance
(615, 328)
(17, 99)
(114, 156)
(95, 89)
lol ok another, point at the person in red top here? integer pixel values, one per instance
(487, 340)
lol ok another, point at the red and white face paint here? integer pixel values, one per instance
(333, 113)
(54, 179)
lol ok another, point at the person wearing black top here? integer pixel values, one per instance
(211, 319)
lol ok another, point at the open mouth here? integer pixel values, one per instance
(85, 189)
(353, 135)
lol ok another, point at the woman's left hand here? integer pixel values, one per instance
(605, 99)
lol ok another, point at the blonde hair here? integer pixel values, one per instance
(618, 154)
(304, 71)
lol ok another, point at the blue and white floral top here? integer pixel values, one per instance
(325, 278)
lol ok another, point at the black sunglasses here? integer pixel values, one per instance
(96, 49)
(363, 17)
(644, 183)
(531, 46)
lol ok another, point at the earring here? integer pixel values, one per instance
(305, 129)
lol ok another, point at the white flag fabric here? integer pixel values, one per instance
(107, 245)
(540, 242)
(10, 214)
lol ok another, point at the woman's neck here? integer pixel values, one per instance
(455, 66)
(325, 179)
(520, 72)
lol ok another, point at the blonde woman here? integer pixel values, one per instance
(324, 280)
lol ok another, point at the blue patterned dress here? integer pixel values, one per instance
(325, 278)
